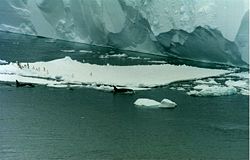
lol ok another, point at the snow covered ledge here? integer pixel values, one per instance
(65, 71)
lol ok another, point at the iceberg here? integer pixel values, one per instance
(149, 103)
(145, 102)
(166, 103)
(160, 27)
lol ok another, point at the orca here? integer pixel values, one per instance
(123, 90)
(18, 84)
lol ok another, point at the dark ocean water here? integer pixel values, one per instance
(49, 123)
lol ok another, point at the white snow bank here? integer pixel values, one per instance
(74, 72)
(149, 103)
(205, 90)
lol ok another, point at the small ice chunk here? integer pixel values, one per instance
(200, 87)
(85, 51)
(113, 56)
(145, 102)
(134, 58)
(159, 62)
(3, 62)
(180, 89)
(68, 51)
(172, 88)
(244, 92)
(177, 88)
(166, 103)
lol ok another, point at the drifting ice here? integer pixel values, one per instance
(149, 103)
(166, 103)
(144, 102)
(204, 90)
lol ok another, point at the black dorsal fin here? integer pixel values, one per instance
(17, 83)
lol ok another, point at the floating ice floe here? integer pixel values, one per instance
(138, 58)
(74, 72)
(166, 103)
(68, 50)
(228, 84)
(244, 92)
(208, 81)
(180, 89)
(85, 51)
(145, 102)
(159, 62)
(149, 103)
(113, 56)
(239, 83)
(205, 90)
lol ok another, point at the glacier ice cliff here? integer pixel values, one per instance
(203, 44)
(139, 25)
(242, 38)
